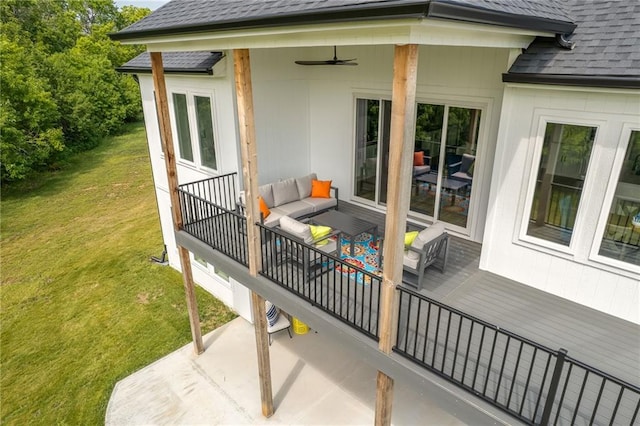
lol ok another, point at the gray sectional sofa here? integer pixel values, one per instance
(292, 197)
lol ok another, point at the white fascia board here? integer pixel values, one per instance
(567, 88)
(399, 31)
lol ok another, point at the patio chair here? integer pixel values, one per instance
(276, 321)
(430, 245)
(302, 248)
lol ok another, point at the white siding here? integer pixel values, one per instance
(572, 274)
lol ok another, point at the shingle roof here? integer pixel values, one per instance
(607, 46)
(175, 62)
(183, 16)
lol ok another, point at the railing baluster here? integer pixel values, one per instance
(504, 361)
(595, 406)
(435, 341)
(515, 374)
(446, 343)
(577, 407)
(455, 353)
(493, 348)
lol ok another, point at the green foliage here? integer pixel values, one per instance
(59, 89)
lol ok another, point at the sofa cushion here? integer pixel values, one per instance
(274, 218)
(427, 235)
(266, 193)
(319, 204)
(285, 191)
(297, 229)
(410, 259)
(296, 209)
(304, 185)
(420, 170)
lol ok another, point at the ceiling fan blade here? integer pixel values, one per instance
(329, 62)
(334, 61)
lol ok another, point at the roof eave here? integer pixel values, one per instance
(147, 70)
(444, 10)
(609, 81)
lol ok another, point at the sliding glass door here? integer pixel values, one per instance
(446, 142)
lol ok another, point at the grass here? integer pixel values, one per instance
(81, 304)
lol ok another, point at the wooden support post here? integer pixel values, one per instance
(403, 116)
(248, 150)
(162, 104)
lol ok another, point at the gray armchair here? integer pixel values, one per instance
(303, 249)
(430, 245)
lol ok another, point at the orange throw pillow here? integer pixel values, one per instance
(264, 209)
(320, 188)
(418, 158)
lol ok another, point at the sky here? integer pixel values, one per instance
(151, 4)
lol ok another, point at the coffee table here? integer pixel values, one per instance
(349, 226)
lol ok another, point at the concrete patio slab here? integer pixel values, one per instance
(315, 382)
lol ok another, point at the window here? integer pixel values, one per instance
(566, 151)
(621, 239)
(182, 124)
(195, 129)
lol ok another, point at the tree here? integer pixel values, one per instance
(59, 89)
(28, 115)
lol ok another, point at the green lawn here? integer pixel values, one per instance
(81, 304)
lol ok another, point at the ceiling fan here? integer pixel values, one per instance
(334, 61)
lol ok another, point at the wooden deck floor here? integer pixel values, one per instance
(605, 342)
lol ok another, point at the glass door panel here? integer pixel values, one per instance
(385, 137)
(429, 120)
(459, 163)
(366, 156)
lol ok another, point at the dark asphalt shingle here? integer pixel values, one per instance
(607, 43)
(194, 13)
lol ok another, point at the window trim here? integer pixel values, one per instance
(614, 177)
(193, 129)
(529, 182)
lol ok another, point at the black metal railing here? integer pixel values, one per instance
(328, 282)
(210, 213)
(531, 382)
(219, 190)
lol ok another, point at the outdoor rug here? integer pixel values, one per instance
(365, 256)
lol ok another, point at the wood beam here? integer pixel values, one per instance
(248, 151)
(166, 137)
(403, 114)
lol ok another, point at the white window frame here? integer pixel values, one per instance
(625, 138)
(193, 129)
(529, 182)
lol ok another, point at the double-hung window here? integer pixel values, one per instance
(195, 129)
